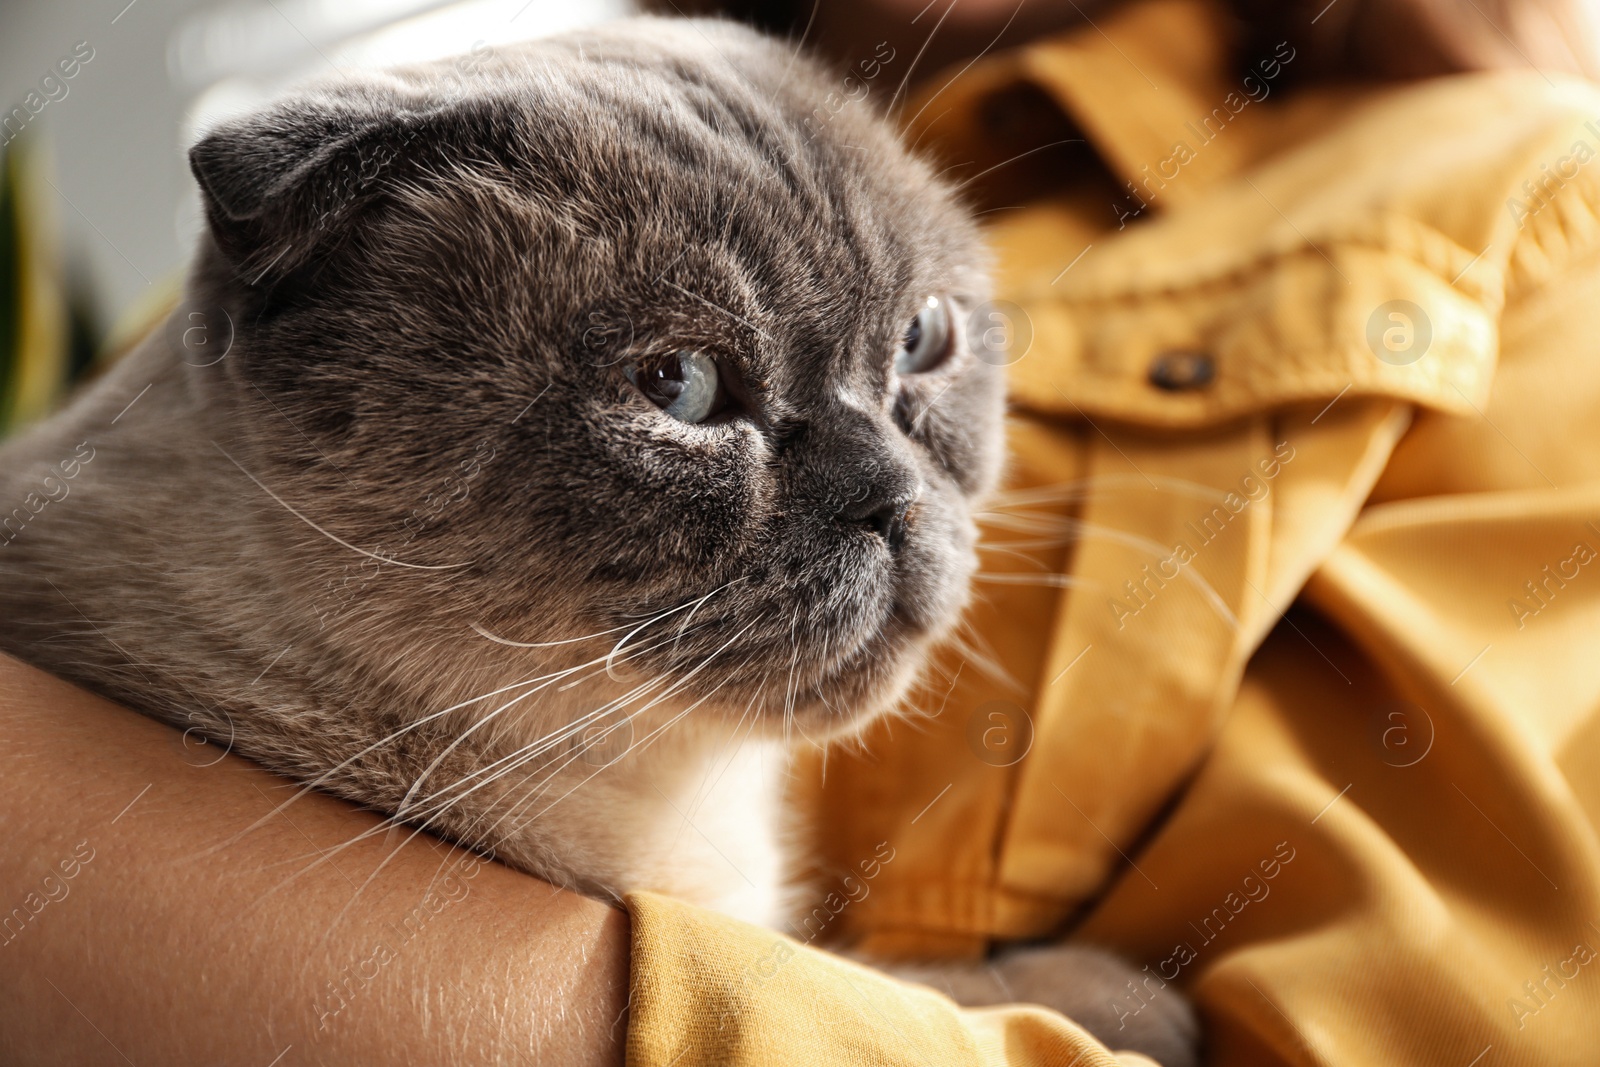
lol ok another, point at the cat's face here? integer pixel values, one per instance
(636, 323)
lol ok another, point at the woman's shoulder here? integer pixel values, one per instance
(1505, 164)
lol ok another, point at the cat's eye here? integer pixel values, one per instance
(927, 340)
(684, 384)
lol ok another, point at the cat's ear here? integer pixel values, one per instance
(279, 183)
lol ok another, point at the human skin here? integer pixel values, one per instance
(204, 924)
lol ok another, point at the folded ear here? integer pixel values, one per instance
(279, 183)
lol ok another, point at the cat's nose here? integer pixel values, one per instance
(883, 515)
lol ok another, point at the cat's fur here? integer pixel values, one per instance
(395, 521)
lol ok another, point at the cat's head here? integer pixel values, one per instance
(647, 335)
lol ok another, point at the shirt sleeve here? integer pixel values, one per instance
(707, 989)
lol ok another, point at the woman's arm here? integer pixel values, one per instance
(141, 923)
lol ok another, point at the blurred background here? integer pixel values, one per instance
(98, 105)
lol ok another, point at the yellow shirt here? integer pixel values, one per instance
(1282, 678)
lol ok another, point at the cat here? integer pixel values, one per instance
(522, 451)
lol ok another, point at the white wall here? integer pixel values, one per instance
(125, 203)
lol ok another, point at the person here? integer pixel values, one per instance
(1277, 681)
(150, 919)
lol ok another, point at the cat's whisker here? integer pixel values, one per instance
(514, 761)
(1144, 544)
(912, 121)
(538, 683)
(1060, 492)
(972, 648)
(681, 683)
(1081, 530)
(905, 81)
(1014, 550)
(481, 632)
(789, 686)
(330, 536)
(1058, 581)
(1029, 522)
(404, 806)
(540, 777)
(699, 603)
(611, 656)
(549, 740)
(672, 690)
(951, 688)
(538, 788)
(608, 663)
(1014, 159)
(927, 129)
(640, 746)
(326, 776)
(599, 633)
(1018, 546)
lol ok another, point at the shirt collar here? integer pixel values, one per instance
(1269, 255)
(1150, 85)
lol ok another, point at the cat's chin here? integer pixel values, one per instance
(860, 687)
(873, 679)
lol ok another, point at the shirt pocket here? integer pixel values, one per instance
(1229, 310)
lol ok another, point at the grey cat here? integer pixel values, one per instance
(521, 456)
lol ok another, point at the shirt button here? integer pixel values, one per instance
(1179, 371)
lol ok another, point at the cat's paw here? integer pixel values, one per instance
(1123, 1007)
(1126, 1009)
